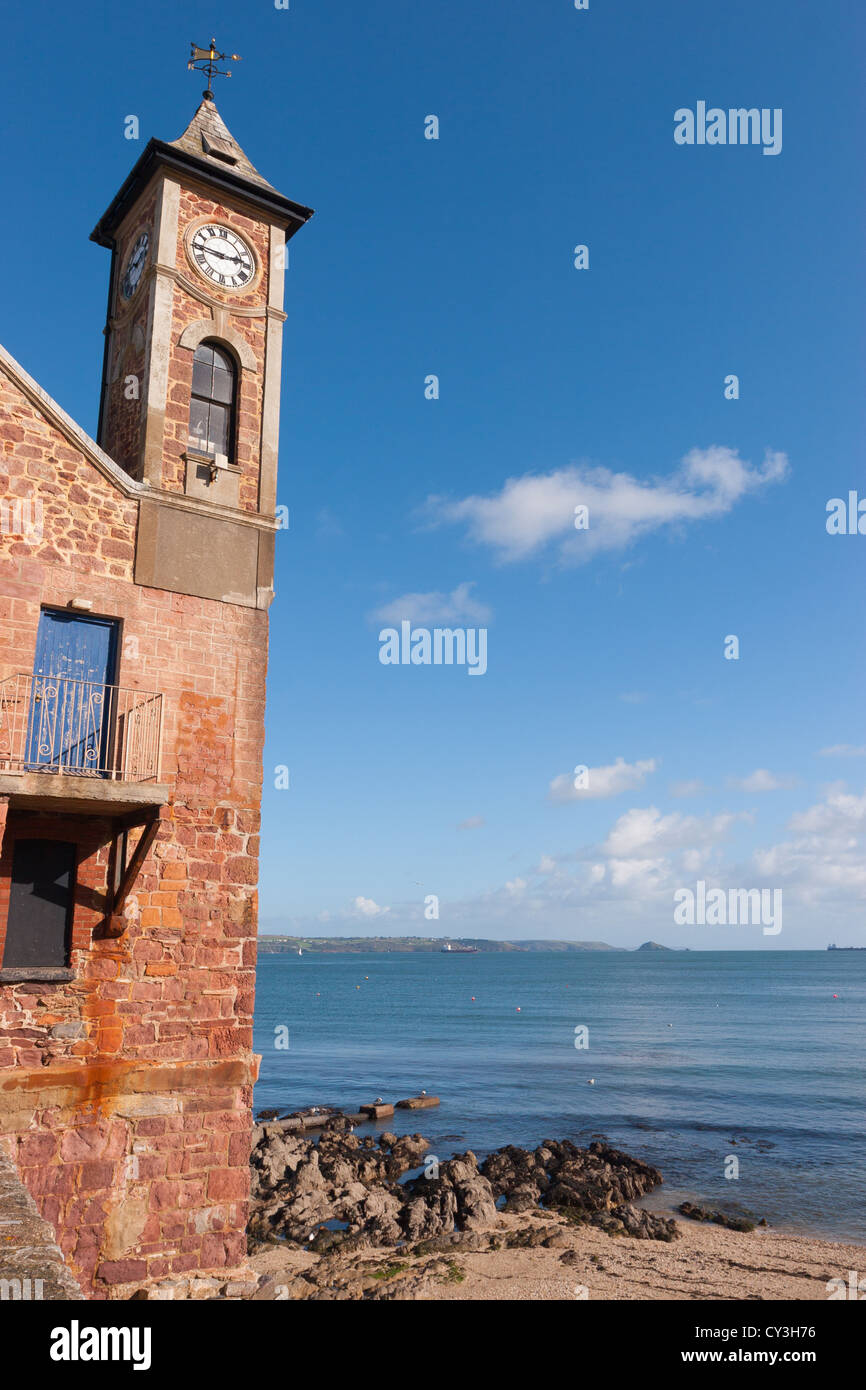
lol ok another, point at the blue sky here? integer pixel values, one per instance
(455, 257)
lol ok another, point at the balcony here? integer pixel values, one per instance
(87, 743)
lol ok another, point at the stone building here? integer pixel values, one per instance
(135, 579)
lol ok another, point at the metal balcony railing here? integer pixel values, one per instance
(79, 728)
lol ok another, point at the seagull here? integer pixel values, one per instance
(591, 1081)
(423, 1093)
(379, 1101)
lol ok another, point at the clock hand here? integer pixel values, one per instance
(222, 255)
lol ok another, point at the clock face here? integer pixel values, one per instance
(134, 266)
(222, 257)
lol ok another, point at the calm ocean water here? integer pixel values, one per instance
(689, 1052)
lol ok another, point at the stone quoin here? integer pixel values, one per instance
(132, 692)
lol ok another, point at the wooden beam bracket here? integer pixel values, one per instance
(122, 875)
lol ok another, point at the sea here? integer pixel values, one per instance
(739, 1074)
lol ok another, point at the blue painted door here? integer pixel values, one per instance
(72, 705)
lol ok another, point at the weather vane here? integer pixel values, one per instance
(206, 59)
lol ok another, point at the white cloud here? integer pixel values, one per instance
(838, 815)
(516, 888)
(531, 512)
(824, 860)
(426, 610)
(472, 823)
(365, 907)
(844, 750)
(645, 828)
(602, 782)
(762, 781)
(638, 875)
(621, 890)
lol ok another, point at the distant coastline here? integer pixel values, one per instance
(334, 945)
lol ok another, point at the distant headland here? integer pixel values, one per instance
(333, 945)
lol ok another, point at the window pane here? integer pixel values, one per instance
(202, 375)
(198, 411)
(223, 384)
(213, 392)
(219, 429)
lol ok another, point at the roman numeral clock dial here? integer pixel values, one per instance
(222, 257)
(134, 266)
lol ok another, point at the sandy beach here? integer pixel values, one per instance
(706, 1263)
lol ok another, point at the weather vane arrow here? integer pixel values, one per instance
(206, 59)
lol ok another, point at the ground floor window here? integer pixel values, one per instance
(40, 905)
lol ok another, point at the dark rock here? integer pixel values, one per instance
(557, 1241)
(301, 1183)
(325, 1241)
(476, 1206)
(627, 1220)
(523, 1198)
(530, 1237)
(562, 1175)
(430, 1210)
(718, 1218)
(461, 1240)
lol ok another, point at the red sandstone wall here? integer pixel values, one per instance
(123, 417)
(187, 310)
(140, 1178)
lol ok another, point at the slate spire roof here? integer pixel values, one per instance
(207, 147)
(208, 137)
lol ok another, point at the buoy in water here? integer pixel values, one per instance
(472, 1001)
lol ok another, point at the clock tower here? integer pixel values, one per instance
(191, 379)
(132, 701)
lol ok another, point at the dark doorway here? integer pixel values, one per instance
(40, 904)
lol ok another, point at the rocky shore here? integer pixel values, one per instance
(339, 1195)
(342, 1217)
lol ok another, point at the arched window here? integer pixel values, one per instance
(212, 405)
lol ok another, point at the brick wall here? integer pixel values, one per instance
(126, 1092)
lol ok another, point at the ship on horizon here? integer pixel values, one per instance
(458, 950)
(834, 947)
